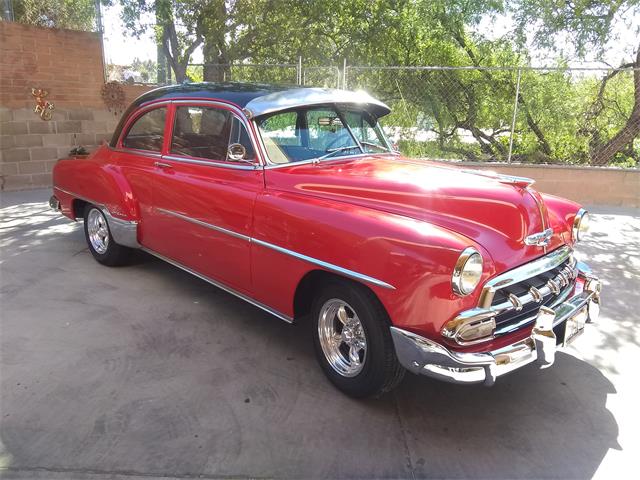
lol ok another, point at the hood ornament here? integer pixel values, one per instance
(540, 239)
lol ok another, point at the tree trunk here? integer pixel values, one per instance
(216, 68)
(604, 154)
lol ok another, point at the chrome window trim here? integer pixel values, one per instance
(142, 110)
(239, 114)
(328, 266)
(268, 164)
(222, 286)
(133, 151)
(211, 163)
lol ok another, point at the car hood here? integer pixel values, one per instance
(497, 212)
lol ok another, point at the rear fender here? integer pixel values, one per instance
(95, 181)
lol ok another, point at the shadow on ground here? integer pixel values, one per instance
(145, 370)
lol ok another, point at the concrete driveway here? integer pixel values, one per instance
(145, 371)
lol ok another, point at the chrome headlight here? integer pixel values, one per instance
(580, 225)
(467, 272)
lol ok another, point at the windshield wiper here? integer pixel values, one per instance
(374, 145)
(334, 151)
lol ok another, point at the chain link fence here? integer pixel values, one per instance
(552, 115)
(528, 115)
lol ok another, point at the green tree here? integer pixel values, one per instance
(589, 26)
(71, 14)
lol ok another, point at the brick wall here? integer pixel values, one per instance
(585, 185)
(69, 65)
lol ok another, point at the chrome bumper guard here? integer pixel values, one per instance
(426, 357)
(54, 203)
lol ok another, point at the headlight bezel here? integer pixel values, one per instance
(579, 221)
(457, 279)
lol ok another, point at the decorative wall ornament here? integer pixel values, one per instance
(43, 107)
(113, 97)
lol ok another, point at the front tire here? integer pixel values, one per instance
(352, 340)
(100, 241)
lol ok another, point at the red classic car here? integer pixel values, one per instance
(294, 200)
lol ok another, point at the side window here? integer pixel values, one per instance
(201, 132)
(147, 132)
(281, 128)
(240, 135)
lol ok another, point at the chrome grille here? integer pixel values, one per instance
(518, 304)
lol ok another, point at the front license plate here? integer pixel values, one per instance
(575, 325)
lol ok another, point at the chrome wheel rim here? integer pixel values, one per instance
(98, 231)
(342, 337)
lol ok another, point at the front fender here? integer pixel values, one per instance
(414, 258)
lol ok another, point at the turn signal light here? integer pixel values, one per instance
(470, 331)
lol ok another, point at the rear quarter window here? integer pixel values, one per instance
(147, 132)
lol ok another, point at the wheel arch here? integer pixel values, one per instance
(316, 279)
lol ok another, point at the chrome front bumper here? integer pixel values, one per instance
(426, 357)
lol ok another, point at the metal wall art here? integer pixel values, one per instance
(113, 97)
(43, 106)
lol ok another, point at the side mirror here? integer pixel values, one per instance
(236, 152)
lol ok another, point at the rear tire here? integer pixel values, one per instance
(353, 342)
(100, 241)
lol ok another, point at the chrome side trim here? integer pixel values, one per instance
(210, 163)
(222, 286)
(528, 270)
(124, 232)
(210, 226)
(329, 266)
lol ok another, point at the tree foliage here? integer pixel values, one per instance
(464, 113)
(71, 14)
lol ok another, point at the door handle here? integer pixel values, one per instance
(162, 165)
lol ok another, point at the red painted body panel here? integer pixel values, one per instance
(213, 195)
(401, 221)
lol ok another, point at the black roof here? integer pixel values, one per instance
(235, 92)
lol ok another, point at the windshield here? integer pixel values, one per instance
(320, 132)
